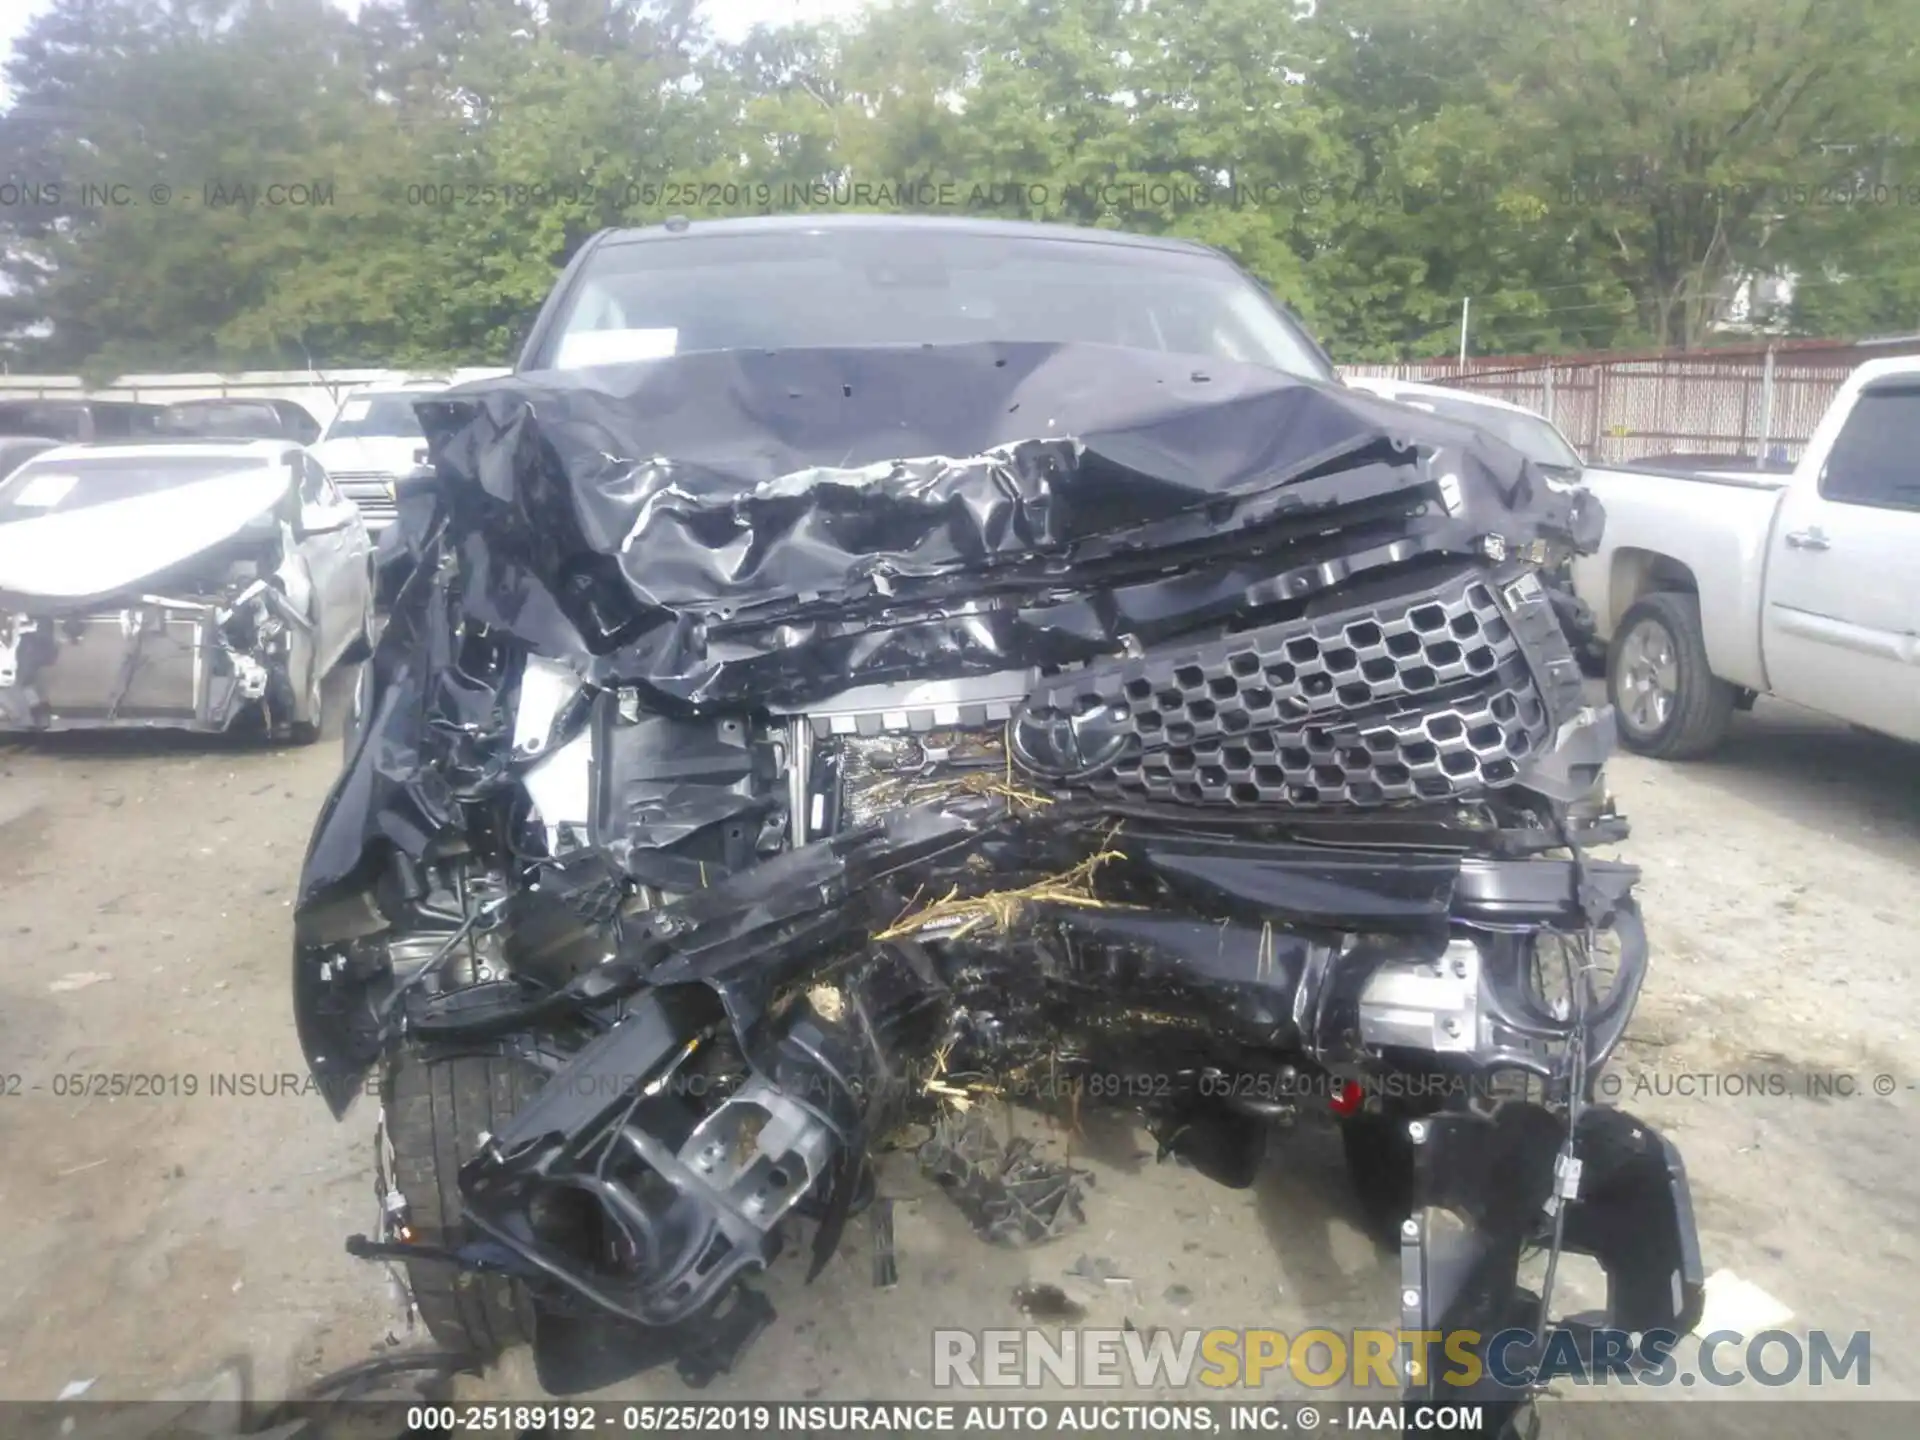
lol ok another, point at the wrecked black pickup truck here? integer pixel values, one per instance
(777, 752)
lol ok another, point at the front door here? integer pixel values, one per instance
(1841, 631)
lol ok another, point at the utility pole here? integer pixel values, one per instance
(1766, 406)
(1466, 305)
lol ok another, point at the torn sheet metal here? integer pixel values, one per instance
(772, 525)
(1008, 1193)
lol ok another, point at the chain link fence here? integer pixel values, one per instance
(1761, 404)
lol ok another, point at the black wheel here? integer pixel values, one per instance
(436, 1112)
(1668, 701)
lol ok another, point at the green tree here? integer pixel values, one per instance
(163, 129)
(1592, 173)
(1681, 136)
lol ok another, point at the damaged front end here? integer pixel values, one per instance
(197, 660)
(181, 608)
(736, 800)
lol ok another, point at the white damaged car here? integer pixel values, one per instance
(189, 585)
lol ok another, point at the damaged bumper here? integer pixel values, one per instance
(1225, 755)
(148, 661)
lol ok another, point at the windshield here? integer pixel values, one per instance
(1532, 436)
(377, 415)
(798, 289)
(46, 487)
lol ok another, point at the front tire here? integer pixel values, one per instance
(436, 1112)
(1668, 702)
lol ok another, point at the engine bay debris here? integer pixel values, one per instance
(1009, 1195)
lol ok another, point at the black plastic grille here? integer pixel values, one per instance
(1419, 697)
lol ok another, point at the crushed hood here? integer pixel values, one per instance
(733, 531)
(773, 525)
(101, 550)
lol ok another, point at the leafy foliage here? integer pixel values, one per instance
(235, 183)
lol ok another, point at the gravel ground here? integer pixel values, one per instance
(155, 1237)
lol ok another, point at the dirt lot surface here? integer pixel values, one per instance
(177, 1197)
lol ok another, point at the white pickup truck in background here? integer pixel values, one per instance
(1712, 588)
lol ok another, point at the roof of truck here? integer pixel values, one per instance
(1393, 389)
(203, 446)
(947, 224)
(423, 384)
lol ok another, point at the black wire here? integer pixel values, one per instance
(351, 1381)
(1577, 993)
(446, 1362)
